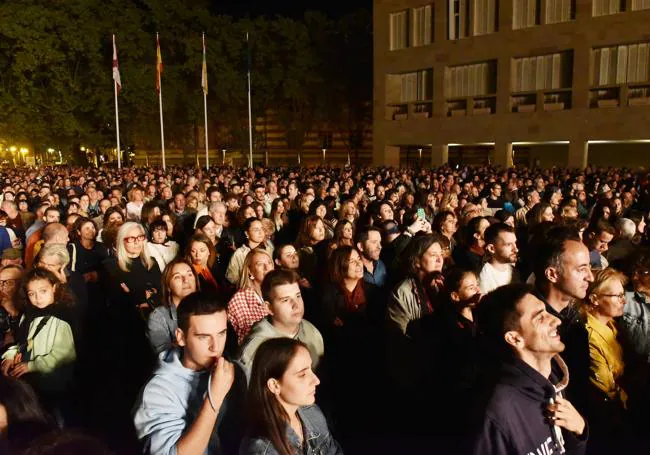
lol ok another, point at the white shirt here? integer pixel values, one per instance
(492, 278)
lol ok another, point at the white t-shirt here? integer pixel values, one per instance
(492, 278)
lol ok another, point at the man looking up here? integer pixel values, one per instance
(525, 412)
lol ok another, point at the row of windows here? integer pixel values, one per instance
(614, 65)
(414, 27)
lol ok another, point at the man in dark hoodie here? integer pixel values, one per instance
(525, 412)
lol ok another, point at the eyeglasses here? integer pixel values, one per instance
(5, 282)
(618, 296)
(139, 238)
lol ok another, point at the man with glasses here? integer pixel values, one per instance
(495, 201)
(10, 277)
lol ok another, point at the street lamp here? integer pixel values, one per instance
(82, 148)
(12, 149)
(24, 151)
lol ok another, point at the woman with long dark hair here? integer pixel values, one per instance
(178, 281)
(284, 419)
(412, 299)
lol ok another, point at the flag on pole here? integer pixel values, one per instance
(204, 71)
(116, 69)
(159, 64)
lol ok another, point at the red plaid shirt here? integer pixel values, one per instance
(245, 309)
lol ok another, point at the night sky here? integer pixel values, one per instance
(287, 7)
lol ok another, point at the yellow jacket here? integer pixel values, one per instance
(606, 358)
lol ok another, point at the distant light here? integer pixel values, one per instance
(470, 144)
(82, 148)
(23, 150)
(631, 141)
(12, 148)
(50, 150)
(542, 143)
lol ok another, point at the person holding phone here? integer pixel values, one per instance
(191, 403)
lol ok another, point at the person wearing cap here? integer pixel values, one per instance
(525, 411)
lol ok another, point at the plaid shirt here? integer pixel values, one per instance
(245, 309)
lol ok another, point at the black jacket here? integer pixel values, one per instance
(513, 421)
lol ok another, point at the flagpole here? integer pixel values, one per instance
(117, 116)
(117, 128)
(204, 77)
(250, 112)
(162, 127)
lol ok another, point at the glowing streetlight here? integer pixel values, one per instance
(24, 151)
(82, 148)
(12, 148)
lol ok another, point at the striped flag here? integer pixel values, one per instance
(116, 69)
(204, 71)
(159, 64)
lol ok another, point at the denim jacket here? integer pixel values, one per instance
(318, 440)
(635, 325)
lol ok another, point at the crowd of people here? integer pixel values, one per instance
(324, 310)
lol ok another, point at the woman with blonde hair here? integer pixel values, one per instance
(135, 204)
(449, 202)
(247, 306)
(134, 276)
(605, 301)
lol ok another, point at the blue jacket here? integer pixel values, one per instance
(171, 401)
(635, 326)
(318, 439)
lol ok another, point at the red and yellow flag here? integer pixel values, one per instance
(159, 64)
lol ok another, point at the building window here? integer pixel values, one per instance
(605, 7)
(414, 89)
(638, 5)
(525, 13)
(470, 80)
(621, 64)
(542, 72)
(458, 21)
(485, 17)
(398, 30)
(416, 86)
(422, 29)
(559, 11)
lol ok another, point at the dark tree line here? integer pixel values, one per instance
(56, 87)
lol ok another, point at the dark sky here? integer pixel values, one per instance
(295, 8)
